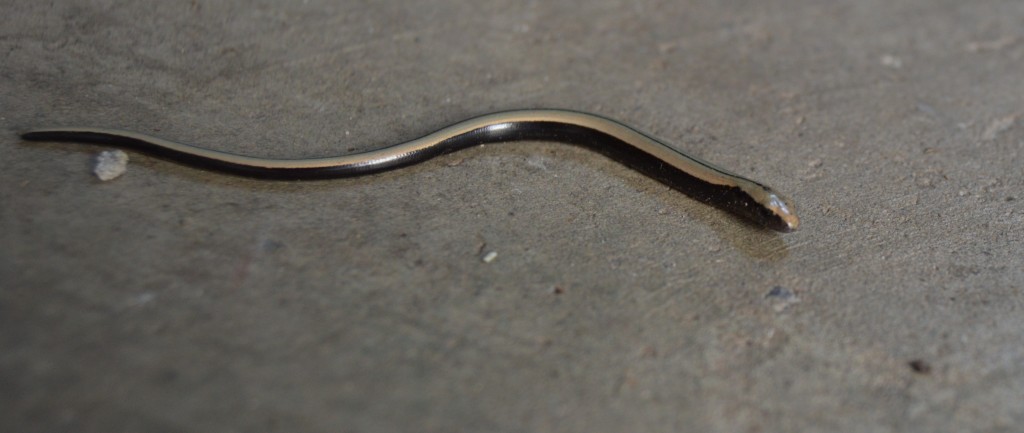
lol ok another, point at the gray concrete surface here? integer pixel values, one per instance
(178, 300)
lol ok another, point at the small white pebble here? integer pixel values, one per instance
(489, 257)
(892, 61)
(110, 164)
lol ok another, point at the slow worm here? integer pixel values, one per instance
(685, 173)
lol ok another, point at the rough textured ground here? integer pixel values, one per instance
(178, 300)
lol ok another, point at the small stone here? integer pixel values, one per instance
(920, 366)
(779, 292)
(891, 61)
(110, 164)
(781, 298)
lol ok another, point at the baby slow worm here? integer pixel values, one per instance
(698, 179)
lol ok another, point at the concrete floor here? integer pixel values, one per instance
(179, 300)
